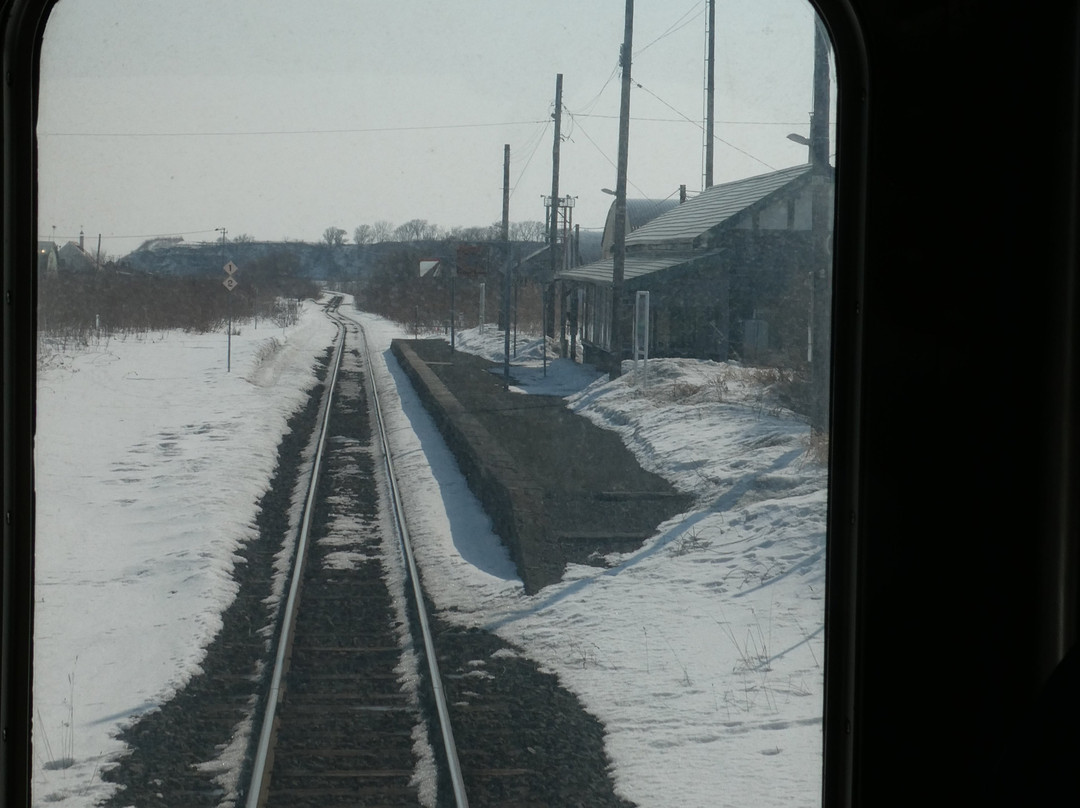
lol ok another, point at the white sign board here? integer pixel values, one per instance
(641, 335)
(230, 283)
(230, 268)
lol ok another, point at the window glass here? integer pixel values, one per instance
(211, 174)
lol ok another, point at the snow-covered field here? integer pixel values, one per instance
(701, 653)
(150, 459)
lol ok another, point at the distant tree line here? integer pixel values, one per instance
(423, 230)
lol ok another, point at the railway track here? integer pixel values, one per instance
(383, 703)
(363, 697)
(340, 728)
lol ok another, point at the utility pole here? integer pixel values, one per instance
(553, 222)
(710, 92)
(228, 336)
(819, 118)
(619, 266)
(505, 236)
(821, 235)
(508, 268)
(574, 309)
(506, 194)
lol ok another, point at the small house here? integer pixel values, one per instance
(73, 259)
(727, 273)
(48, 259)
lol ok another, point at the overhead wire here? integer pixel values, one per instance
(700, 126)
(568, 135)
(136, 235)
(586, 110)
(684, 119)
(678, 25)
(592, 102)
(657, 204)
(602, 152)
(292, 131)
(675, 27)
(538, 137)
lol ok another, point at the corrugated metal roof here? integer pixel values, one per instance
(712, 207)
(642, 211)
(589, 246)
(635, 266)
(638, 212)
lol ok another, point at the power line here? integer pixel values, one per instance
(674, 27)
(699, 126)
(602, 152)
(658, 204)
(684, 119)
(569, 134)
(591, 103)
(538, 137)
(51, 237)
(292, 131)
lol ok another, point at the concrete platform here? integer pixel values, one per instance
(558, 488)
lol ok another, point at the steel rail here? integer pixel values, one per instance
(259, 771)
(454, 765)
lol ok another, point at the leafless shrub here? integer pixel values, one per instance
(689, 542)
(92, 306)
(680, 390)
(267, 350)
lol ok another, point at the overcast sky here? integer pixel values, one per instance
(279, 119)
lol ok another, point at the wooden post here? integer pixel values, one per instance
(507, 269)
(619, 266)
(821, 235)
(710, 92)
(553, 222)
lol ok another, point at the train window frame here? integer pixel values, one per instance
(23, 26)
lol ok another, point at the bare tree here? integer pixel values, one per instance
(334, 236)
(416, 230)
(243, 238)
(363, 234)
(382, 230)
(459, 233)
(527, 231)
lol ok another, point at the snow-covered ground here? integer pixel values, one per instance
(701, 653)
(150, 459)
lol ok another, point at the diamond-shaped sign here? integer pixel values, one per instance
(230, 283)
(230, 268)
